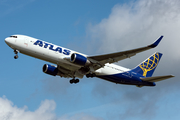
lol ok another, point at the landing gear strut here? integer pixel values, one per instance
(16, 52)
(74, 81)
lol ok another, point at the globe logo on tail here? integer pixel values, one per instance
(150, 64)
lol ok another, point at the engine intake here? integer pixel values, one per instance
(50, 69)
(79, 59)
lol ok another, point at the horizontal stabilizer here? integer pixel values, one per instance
(157, 78)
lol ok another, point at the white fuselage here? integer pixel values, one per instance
(47, 52)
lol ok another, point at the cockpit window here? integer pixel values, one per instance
(14, 36)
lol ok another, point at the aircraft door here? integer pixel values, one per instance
(26, 42)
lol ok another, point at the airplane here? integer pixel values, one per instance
(72, 64)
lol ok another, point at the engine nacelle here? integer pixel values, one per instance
(79, 59)
(50, 69)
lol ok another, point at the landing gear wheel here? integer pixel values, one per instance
(16, 56)
(71, 81)
(74, 81)
(91, 75)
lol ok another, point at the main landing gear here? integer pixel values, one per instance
(74, 81)
(91, 75)
(16, 52)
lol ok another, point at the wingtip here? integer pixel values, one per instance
(171, 75)
(156, 42)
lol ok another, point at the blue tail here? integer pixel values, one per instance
(147, 67)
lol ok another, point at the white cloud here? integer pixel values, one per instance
(9, 111)
(139, 23)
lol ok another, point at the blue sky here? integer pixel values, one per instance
(91, 27)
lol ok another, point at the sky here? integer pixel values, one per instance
(93, 28)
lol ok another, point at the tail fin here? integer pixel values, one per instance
(147, 67)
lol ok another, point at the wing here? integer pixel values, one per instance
(100, 60)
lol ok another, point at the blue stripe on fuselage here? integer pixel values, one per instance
(129, 78)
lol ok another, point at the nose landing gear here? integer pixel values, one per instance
(16, 52)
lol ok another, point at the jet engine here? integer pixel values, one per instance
(50, 69)
(79, 59)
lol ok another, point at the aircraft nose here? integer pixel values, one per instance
(7, 40)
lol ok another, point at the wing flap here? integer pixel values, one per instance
(157, 78)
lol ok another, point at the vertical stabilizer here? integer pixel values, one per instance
(147, 67)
